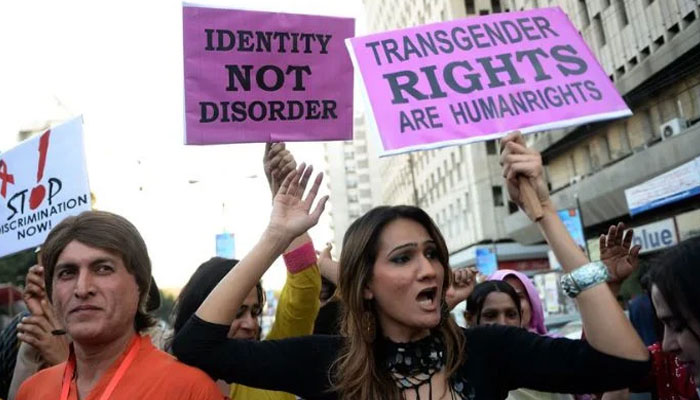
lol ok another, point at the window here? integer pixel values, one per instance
(673, 31)
(606, 4)
(619, 72)
(465, 212)
(491, 147)
(469, 6)
(456, 220)
(483, 12)
(497, 196)
(585, 18)
(496, 6)
(658, 42)
(622, 13)
(512, 207)
(451, 221)
(599, 32)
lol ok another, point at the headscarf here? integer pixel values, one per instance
(537, 319)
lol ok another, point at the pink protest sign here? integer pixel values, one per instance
(479, 78)
(259, 77)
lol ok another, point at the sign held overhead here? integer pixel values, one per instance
(479, 78)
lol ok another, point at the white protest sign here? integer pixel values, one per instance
(42, 181)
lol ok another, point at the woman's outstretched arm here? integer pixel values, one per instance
(607, 328)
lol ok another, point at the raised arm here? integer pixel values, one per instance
(291, 216)
(618, 255)
(299, 301)
(607, 328)
(462, 286)
(330, 268)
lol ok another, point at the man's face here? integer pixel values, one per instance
(94, 294)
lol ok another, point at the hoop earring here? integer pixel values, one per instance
(444, 312)
(369, 327)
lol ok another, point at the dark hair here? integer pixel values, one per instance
(202, 282)
(358, 374)
(109, 232)
(328, 289)
(476, 300)
(675, 274)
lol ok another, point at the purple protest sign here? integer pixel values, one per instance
(255, 76)
(479, 78)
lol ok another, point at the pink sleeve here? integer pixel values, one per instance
(300, 258)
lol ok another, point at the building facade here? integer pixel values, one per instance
(353, 179)
(651, 51)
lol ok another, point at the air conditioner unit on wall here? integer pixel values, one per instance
(673, 127)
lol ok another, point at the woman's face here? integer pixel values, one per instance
(525, 306)
(499, 309)
(406, 283)
(680, 333)
(246, 325)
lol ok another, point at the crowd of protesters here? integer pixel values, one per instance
(375, 324)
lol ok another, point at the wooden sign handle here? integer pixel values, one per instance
(530, 200)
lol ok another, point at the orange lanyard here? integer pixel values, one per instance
(126, 362)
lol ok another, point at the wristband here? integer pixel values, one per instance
(583, 278)
(300, 258)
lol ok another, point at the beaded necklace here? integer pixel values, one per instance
(413, 364)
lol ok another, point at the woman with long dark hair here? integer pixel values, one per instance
(675, 292)
(398, 340)
(298, 303)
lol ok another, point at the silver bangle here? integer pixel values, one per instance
(583, 278)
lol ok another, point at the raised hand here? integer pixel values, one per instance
(462, 286)
(520, 161)
(618, 254)
(45, 334)
(330, 269)
(34, 289)
(291, 214)
(278, 162)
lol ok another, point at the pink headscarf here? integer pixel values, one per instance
(537, 319)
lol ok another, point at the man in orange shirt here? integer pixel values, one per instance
(97, 274)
